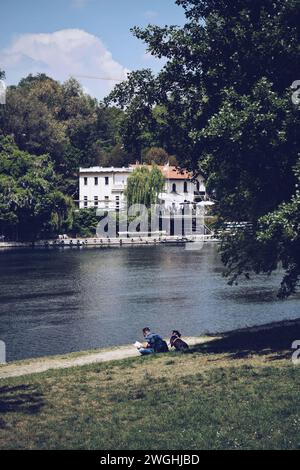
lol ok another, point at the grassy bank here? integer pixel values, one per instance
(240, 391)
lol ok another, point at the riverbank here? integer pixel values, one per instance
(237, 391)
(77, 359)
(111, 242)
(81, 358)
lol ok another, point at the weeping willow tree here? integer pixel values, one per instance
(144, 185)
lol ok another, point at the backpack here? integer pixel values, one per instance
(160, 346)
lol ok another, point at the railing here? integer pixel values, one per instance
(118, 188)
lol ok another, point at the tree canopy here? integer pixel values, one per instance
(156, 155)
(223, 100)
(31, 206)
(47, 117)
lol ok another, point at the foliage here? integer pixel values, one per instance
(251, 148)
(280, 232)
(155, 155)
(30, 205)
(85, 223)
(117, 157)
(45, 116)
(144, 186)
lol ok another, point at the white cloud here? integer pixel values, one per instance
(64, 53)
(150, 14)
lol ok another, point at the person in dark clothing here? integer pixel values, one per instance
(155, 343)
(176, 341)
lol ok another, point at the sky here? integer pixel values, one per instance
(79, 38)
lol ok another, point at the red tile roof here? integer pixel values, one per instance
(172, 172)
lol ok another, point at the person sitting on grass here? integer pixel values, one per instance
(154, 343)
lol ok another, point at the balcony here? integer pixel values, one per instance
(118, 188)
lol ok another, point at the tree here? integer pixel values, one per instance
(279, 234)
(226, 93)
(85, 223)
(117, 157)
(155, 155)
(144, 186)
(30, 205)
(45, 116)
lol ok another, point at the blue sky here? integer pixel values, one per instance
(79, 37)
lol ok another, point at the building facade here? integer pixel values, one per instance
(103, 188)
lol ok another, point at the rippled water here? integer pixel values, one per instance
(53, 302)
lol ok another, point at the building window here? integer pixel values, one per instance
(173, 188)
(85, 181)
(85, 201)
(96, 201)
(198, 186)
(185, 187)
(106, 180)
(117, 202)
(96, 180)
(106, 201)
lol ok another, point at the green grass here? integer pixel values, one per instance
(215, 397)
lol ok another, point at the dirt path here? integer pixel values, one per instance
(35, 366)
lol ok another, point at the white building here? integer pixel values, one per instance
(101, 187)
(104, 188)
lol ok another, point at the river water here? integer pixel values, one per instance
(54, 302)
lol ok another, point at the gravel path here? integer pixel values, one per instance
(35, 366)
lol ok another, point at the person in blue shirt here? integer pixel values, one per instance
(155, 343)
